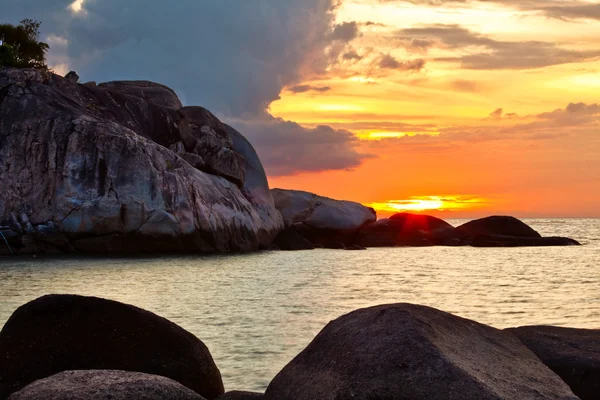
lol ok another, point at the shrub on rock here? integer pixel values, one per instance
(105, 385)
(411, 352)
(58, 333)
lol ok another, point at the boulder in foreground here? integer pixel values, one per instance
(321, 220)
(409, 352)
(573, 354)
(58, 333)
(105, 385)
(237, 395)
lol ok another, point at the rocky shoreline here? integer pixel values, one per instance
(124, 168)
(72, 347)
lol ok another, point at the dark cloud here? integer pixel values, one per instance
(387, 61)
(497, 113)
(351, 55)
(493, 54)
(308, 88)
(346, 31)
(286, 148)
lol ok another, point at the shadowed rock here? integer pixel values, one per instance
(63, 332)
(512, 241)
(411, 352)
(406, 229)
(105, 385)
(321, 220)
(236, 395)
(290, 240)
(496, 225)
(573, 354)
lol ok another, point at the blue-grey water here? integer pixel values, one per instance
(255, 312)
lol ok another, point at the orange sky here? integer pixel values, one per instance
(488, 106)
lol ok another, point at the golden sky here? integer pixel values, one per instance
(470, 107)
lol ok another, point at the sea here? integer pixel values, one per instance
(255, 312)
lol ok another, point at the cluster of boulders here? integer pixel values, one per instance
(314, 221)
(63, 347)
(124, 167)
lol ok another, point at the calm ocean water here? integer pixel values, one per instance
(256, 312)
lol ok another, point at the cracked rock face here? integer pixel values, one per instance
(121, 167)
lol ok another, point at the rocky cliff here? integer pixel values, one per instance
(123, 167)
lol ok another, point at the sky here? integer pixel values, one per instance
(452, 108)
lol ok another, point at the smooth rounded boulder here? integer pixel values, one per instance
(58, 333)
(497, 225)
(410, 352)
(405, 229)
(513, 241)
(105, 385)
(573, 354)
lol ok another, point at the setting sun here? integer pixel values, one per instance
(429, 203)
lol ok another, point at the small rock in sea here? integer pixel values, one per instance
(65, 332)
(573, 354)
(404, 351)
(355, 247)
(496, 225)
(105, 385)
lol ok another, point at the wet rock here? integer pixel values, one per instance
(290, 240)
(237, 395)
(322, 220)
(410, 352)
(105, 385)
(63, 332)
(512, 241)
(496, 225)
(573, 354)
(355, 247)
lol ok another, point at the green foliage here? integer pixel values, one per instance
(20, 45)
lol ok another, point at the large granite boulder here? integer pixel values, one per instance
(411, 352)
(237, 395)
(290, 240)
(407, 229)
(321, 220)
(121, 167)
(573, 354)
(105, 385)
(496, 225)
(513, 241)
(63, 332)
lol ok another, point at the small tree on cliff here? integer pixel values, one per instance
(20, 47)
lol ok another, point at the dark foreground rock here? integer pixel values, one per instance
(573, 354)
(322, 221)
(512, 241)
(236, 395)
(105, 385)
(290, 240)
(62, 332)
(122, 167)
(496, 225)
(406, 229)
(413, 352)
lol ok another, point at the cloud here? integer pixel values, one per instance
(497, 113)
(490, 54)
(345, 32)
(286, 148)
(351, 55)
(387, 61)
(308, 88)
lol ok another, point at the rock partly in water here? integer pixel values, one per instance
(406, 229)
(321, 220)
(496, 225)
(58, 333)
(413, 352)
(513, 241)
(355, 247)
(105, 385)
(573, 354)
(290, 240)
(237, 395)
(101, 164)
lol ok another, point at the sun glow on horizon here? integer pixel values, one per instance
(430, 203)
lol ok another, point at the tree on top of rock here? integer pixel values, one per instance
(20, 46)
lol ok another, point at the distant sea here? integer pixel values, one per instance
(255, 312)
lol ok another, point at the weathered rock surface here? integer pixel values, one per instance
(406, 229)
(290, 240)
(496, 225)
(321, 220)
(105, 385)
(573, 354)
(413, 352)
(237, 395)
(63, 332)
(123, 168)
(513, 241)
